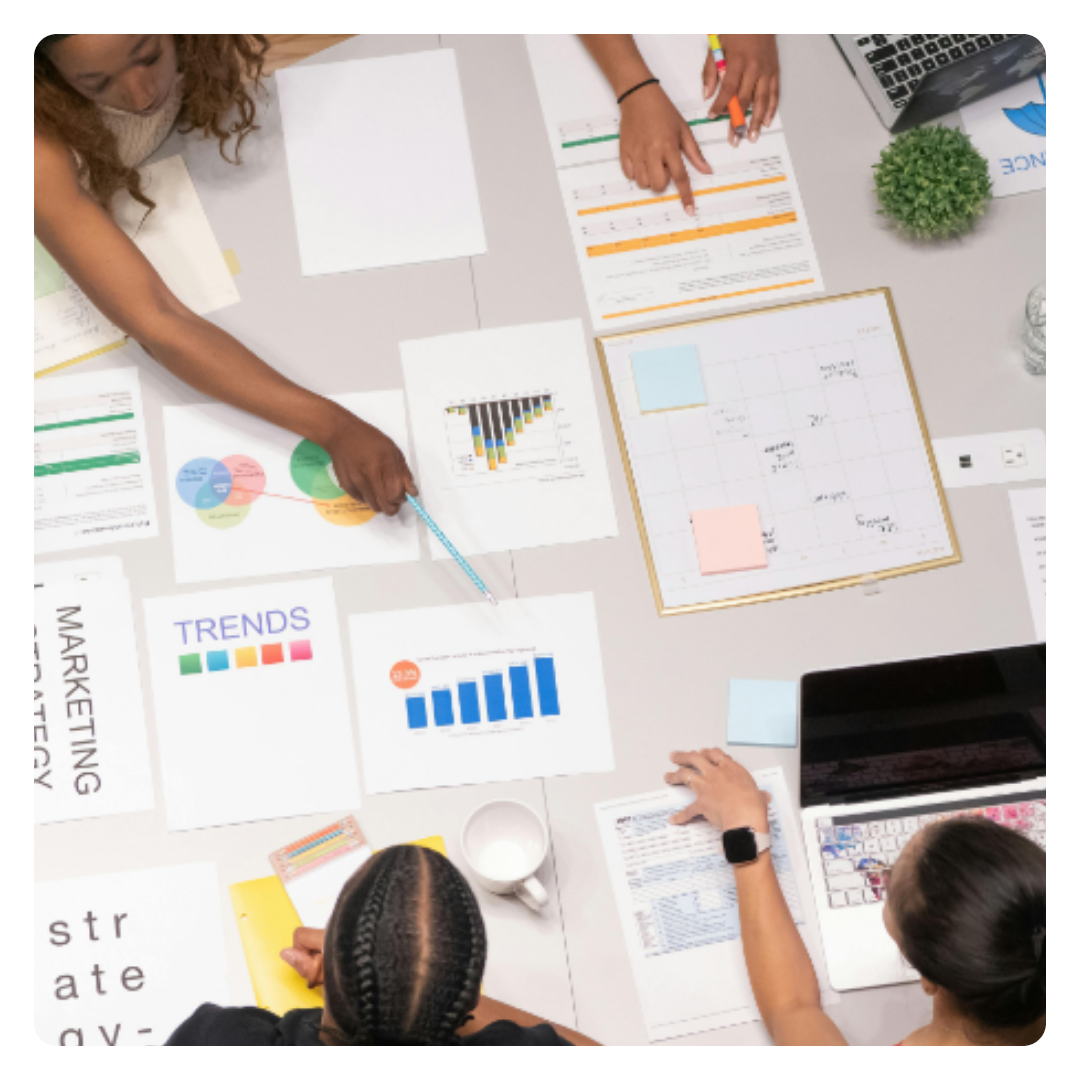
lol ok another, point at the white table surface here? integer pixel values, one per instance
(960, 306)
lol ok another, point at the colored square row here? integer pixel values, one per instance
(245, 657)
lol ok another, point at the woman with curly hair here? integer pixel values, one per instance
(401, 960)
(102, 104)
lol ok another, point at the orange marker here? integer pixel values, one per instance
(738, 117)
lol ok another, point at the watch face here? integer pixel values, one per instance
(740, 846)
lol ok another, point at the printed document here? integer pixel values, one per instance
(91, 469)
(379, 162)
(643, 259)
(677, 902)
(244, 680)
(90, 754)
(475, 694)
(124, 959)
(249, 498)
(1009, 130)
(508, 438)
(1029, 520)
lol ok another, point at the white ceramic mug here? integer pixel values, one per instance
(505, 843)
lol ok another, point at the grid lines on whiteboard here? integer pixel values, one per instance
(824, 439)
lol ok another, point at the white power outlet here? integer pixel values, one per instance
(1014, 456)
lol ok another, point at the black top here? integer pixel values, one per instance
(212, 1025)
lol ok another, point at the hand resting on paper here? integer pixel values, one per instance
(369, 466)
(727, 796)
(306, 954)
(752, 75)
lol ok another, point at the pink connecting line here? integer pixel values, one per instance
(292, 498)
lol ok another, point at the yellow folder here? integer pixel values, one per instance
(266, 919)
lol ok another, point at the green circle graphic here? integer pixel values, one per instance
(308, 467)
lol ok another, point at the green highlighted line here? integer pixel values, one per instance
(614, 138)
(80, 423)
(82, 464)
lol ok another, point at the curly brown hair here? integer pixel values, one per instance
(221, 72)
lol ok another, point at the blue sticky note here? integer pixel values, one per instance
(762, 712)
(668, 378)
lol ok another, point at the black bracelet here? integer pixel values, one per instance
(647, 82)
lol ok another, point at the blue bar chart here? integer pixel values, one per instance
(475, 703)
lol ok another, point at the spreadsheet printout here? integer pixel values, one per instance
(642, 258)
(810, 417)
(677, 901)
(92, 481)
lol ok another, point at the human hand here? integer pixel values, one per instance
(727, 796)
(752, 75)
(369, 466)
(306, 954)
(653, 137)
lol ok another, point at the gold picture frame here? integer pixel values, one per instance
(801, 590)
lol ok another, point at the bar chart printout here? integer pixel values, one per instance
(505, 438)
(495, 700)
(475, 694)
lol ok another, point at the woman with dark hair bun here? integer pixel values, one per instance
(103, 103)
(966, 905)
(402, 960)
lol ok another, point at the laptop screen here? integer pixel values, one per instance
(921, 726)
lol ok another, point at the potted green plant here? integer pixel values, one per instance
(932, 182)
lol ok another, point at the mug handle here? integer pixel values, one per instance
(531, 893)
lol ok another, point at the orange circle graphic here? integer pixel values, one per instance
(404, 674)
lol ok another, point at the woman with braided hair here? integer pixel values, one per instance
(103, 103)
(401, 960)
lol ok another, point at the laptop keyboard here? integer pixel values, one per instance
(858, 851)
(899, 61)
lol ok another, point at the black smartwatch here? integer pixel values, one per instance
(743, 845)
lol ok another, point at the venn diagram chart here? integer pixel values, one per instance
(224, 492)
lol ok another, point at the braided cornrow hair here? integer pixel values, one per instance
(404, 952)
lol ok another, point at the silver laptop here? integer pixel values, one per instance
(913, 78)
(887, 749)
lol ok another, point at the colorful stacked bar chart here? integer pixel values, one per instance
(495, 426)
(480, 701)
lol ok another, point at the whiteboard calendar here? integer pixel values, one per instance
(807, 412)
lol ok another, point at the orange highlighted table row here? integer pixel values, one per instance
(620, 247)
(678, 198)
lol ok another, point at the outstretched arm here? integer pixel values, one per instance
(119, 280)
(781, 974)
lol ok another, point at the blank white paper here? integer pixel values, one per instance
(379, 162)
(90, 753)
(527, 391)
(176, 237)
(246, 681)
(124, 959)
(676, 898)
(475, 694)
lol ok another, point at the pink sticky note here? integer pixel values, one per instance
(729, 538)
